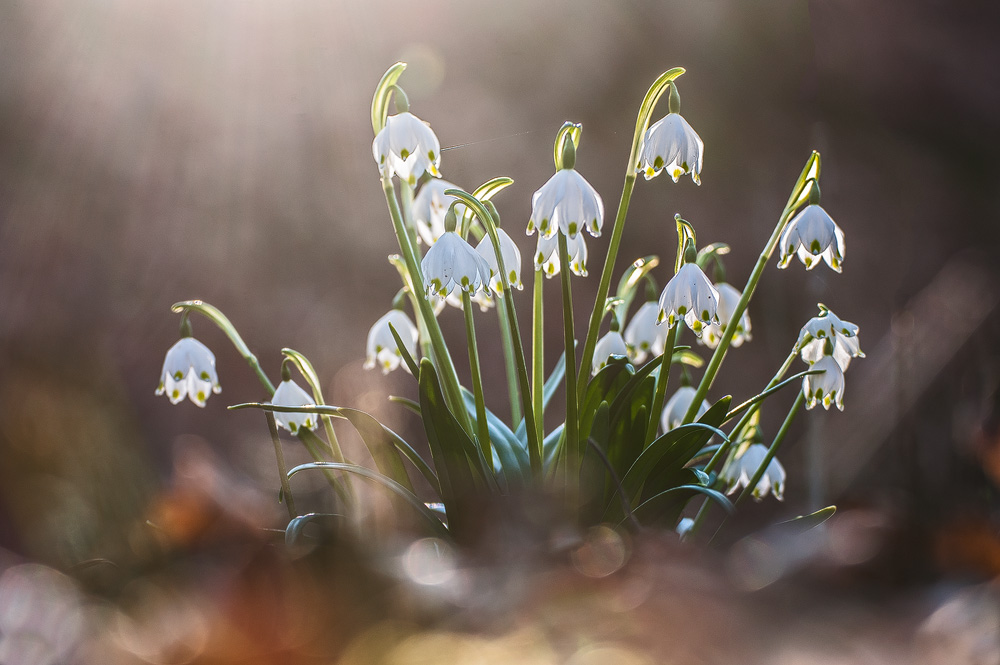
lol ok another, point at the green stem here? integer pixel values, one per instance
(509, 365)
(538, 355)
(482, 426)
(569, 338)
(286, 489)
(662, 376)
(794, 201)
(446, 368)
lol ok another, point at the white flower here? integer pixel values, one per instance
(642, 335)
(611, 344)
(690, 296)
(842, 334)
(429, 208)
(407, 147)
(566, 202)
(289, 393)
(511, 260)
(670, 144)
(547, 255)
(684, 526)
(381, 348)
(677, 406)
(452, 262)
(812, 235)
(826, 387)
(739, 472)
(189, 371)
(729, 297)
(454, 299)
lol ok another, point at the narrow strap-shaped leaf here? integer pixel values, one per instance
(803, 523)
(623, 398)
(437, 527)
(295, 526)
(675, 498)
(513, 455)
(381, 443)
(767, 393)
(548, 390)
(629, 283)
(404, 352)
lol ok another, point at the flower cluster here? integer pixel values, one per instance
(827, 343)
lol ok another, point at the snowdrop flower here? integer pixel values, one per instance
(740, 472)
(452, 262)
(566, 202)
(381, 348)
(729, 297)
(511, 260)
(827, 387)
(430, 206)
(642, 335)
(677, 406)
(547, 255)
(189, 371)
(289, 393)
(842, 334)
(812, 235)
(611, 344)
(454, 299)
(690, 296)
(684, 526)
(407, 147)
(671, 144)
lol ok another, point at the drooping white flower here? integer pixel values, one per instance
(454, 299)
(381, 348)
(429, 208)
(189, 371)
(511, 260)
(289, 393)
(566, 202)
(739, 472)
(407, 147)
(689, 296)
(842, 334)
(684, 526)
(671, 144)
(812, 235)
(678, 405)
(827, 387)
(611, 344)
(547, 255)
(729, 297)
(452, 262)
(642, 334)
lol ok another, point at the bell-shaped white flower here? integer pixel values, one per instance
(566, 202)
(642, 334)
(407, 147)
(547, 255)
(739, 472)
(812, 235)
(429, 208)
(689, 296)
(828, 326)
(678, 405)
(288, 393)
(451, 262)
(671, 145)
(454, 299)
(511, 260)
(611, 344)
(381, 348)
(827, 387)
(189, 371)
(729, 297)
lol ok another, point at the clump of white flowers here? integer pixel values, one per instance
(828, 344)
(740, 472)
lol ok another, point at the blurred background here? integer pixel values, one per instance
(155, 151)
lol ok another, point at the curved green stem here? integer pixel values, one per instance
(534, 442)
(446, 368)
(572, 441)
(214, 315)
(482, 427)
(810, 172)
(653, 95)
(538, 355)
(279, 455)
(662, 376)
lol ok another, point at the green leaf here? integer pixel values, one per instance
(381, 443)
(436, 526)
(629, 283)
(511, 453)
(404, 352)
(604, 384)
(548, 390)
(380, 102)
(666, 506)
(295, 526)
(406, 402)
(804, 523)
(687, 357)
(623, 399)
(767, 393)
